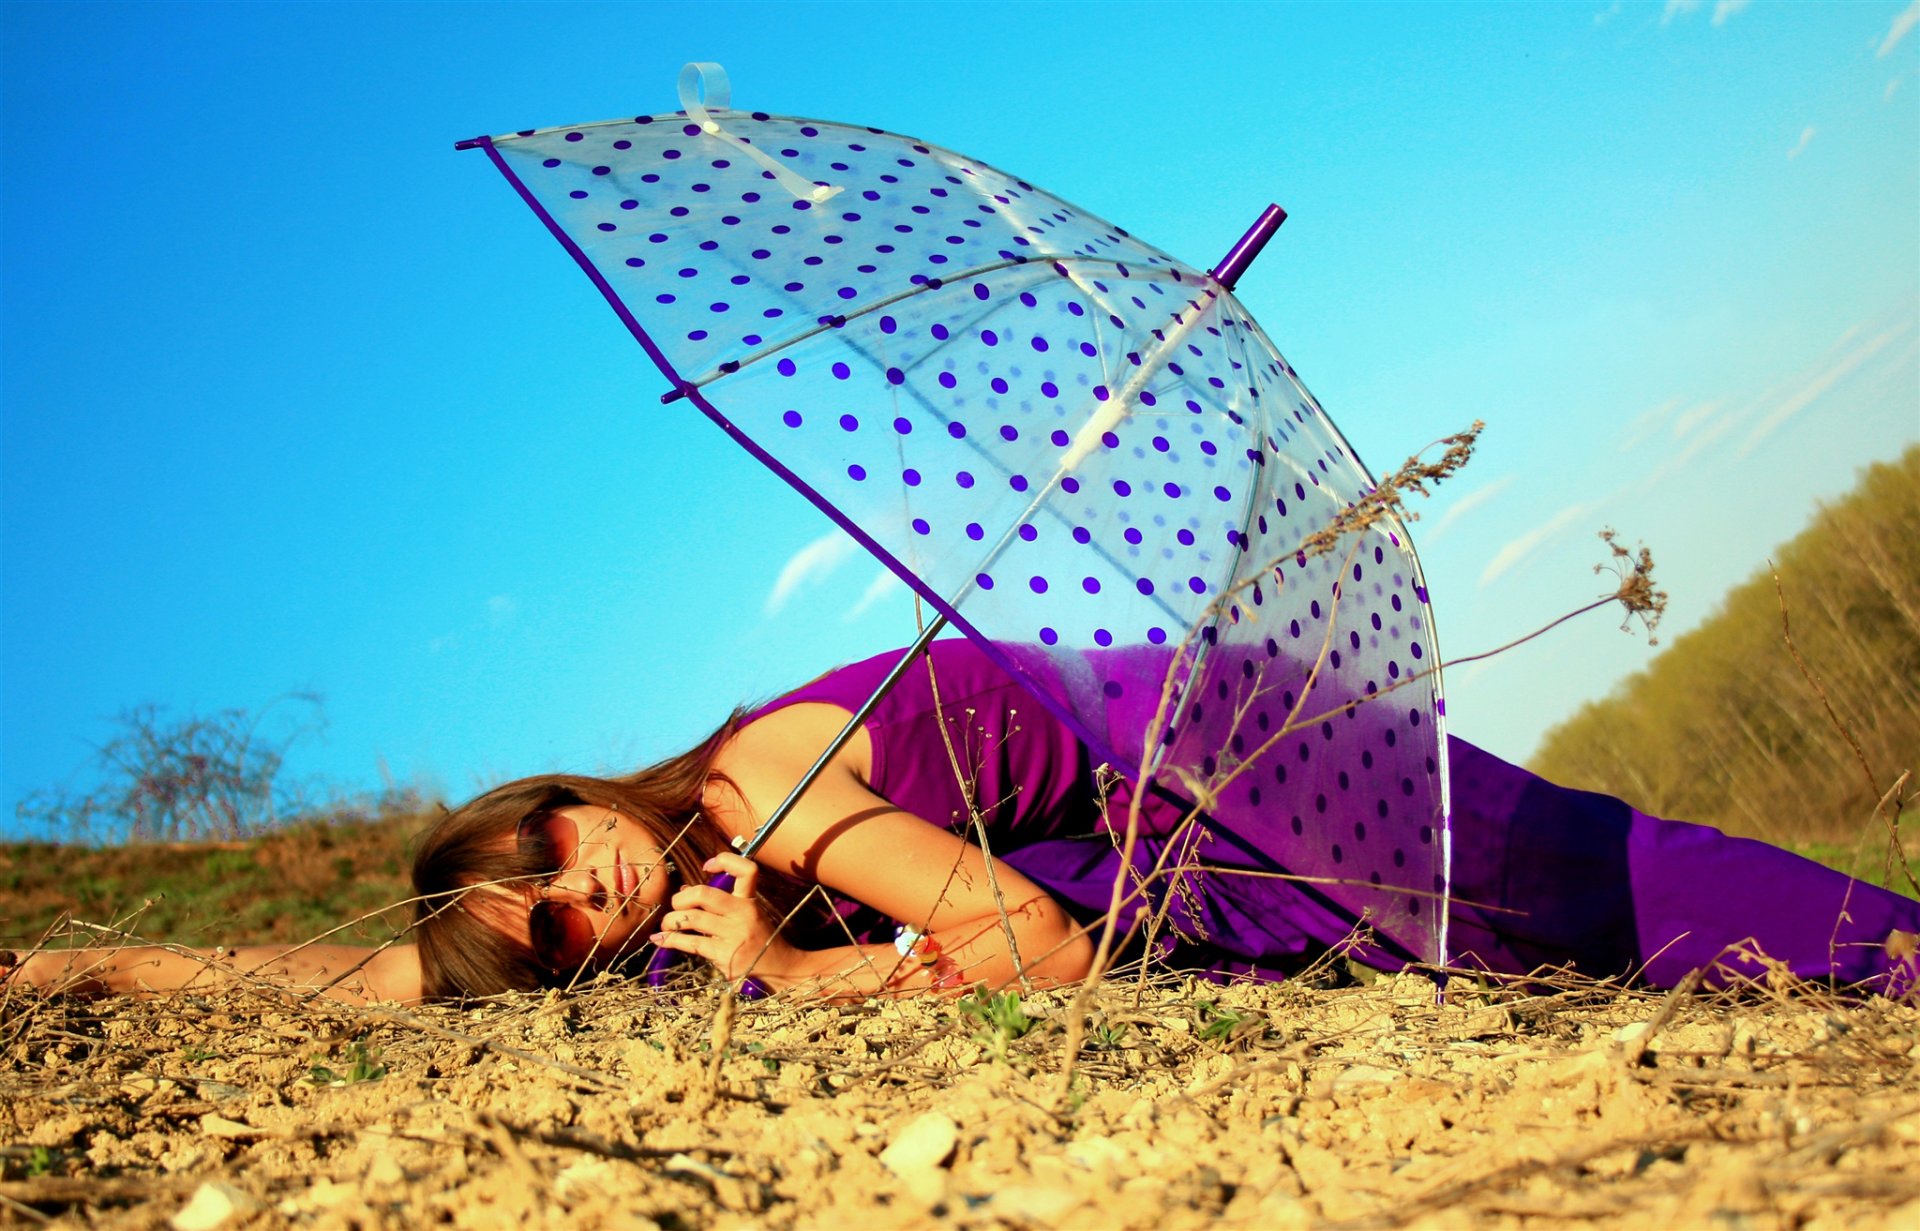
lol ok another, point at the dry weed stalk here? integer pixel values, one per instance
(1896, 850)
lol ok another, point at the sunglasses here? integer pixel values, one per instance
(564, 937)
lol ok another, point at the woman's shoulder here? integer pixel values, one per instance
(776, 741)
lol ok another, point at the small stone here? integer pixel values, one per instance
(383, 1172)
(1046, 1205)
(232, 1130)
(1364, 1075)
(924, 1143)
(212, 1205)
(1631, 1033)
(587, 1177)
(687, 1164)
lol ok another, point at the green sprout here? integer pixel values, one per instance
(362, 1064)
(1218, 1023)
(1001, 1018)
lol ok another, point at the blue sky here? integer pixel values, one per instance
(293, 396)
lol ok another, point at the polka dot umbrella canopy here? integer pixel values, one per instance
(1081, 451)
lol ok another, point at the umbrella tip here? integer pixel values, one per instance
(1241, 255)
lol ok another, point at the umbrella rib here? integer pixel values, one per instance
(838, 319)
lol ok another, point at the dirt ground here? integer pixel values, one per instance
(1259, 1106)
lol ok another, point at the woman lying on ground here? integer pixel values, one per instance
(541, 880)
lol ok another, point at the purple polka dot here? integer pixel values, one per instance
(1049, 637)
(976, 531)
(791, 418)
(857, 472)
(848, 423)
(1091, 585)
(1037, 584)
(902, 425)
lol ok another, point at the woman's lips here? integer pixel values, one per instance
(624, 880)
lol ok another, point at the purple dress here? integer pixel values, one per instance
(1542, 875)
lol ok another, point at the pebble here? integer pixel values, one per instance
(924, 1143)
(1364, 1075)
(211, 1205)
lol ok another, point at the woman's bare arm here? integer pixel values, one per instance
(847, 838)
(354, 974)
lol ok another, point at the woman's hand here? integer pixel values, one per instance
(725, 926)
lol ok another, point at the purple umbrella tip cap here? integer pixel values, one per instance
(1241, 255)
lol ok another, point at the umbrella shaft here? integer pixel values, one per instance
(914, 651)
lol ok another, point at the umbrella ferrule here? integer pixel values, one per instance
(1241, 255)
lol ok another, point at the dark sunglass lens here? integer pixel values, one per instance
(563, 938)
(547, 840)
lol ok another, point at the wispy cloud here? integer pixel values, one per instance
(496, 613)
(1726, 9)
(1713, 424)
(883, 584)
(1518, 549)
(1692, 417)
(1466, 504)
(1799, 147)
(812, 563)
(1677, 8)
(1649, 422)
(1818, 387)
(1607, 14)
(1902, 26)
(1886, 95)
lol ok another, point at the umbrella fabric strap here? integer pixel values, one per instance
(704, 84)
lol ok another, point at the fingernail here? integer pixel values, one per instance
(657, 937)
(708, 866)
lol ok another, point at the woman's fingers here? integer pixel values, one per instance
(745, 872)
(707, 898)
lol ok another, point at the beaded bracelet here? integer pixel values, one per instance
(922, 949)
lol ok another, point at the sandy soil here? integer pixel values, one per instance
(1271, 1107)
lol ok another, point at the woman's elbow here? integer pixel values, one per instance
(1068, 959)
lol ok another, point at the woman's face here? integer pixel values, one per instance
(608, 881)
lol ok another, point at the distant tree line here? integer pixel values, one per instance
(1726, 728)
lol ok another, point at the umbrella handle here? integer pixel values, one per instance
(661, 961)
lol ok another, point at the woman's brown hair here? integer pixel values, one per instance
(461, 952)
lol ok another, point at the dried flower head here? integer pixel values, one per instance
(1636, 593)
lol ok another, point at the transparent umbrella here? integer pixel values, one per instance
(1078, 450)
